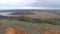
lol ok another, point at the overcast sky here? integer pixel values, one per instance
(29, 4)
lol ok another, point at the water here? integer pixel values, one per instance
(5, 13)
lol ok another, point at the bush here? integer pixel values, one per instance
(49, 21)
(22, 18)
(38, 20)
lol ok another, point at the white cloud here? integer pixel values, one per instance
(30, 7)
(24, 7)
(18, 4)
(23, 4)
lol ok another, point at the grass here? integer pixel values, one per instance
(53, 21)
(17, 24)
(26, 26)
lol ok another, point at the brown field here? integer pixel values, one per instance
(50, 32)
(39, 14)
(11, 30)
(46, 15)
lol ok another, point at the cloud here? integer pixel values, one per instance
(19, 4)
(30, 7)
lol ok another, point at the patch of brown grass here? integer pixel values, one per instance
(11, 30)
(46, 15)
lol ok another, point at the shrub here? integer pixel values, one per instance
(23, 18)
(49, 21)
(38, 20)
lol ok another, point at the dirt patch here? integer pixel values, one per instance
(50, 32)
(12, 30)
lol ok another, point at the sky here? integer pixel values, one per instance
(29, 4)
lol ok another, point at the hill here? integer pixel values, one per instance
(30, 28)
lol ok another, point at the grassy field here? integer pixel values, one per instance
(31, 28)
